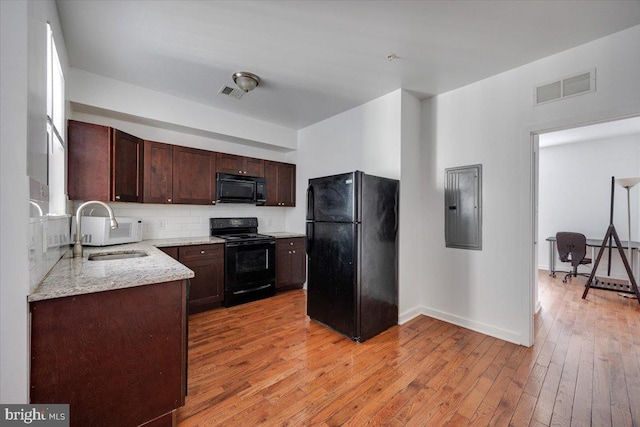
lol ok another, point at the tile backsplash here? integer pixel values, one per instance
(168, 221)
(48, 241)
(49, 236)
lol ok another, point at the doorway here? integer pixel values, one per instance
(572, 182)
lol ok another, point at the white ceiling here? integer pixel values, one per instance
(319, 58)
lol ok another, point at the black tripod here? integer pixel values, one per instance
(612, 233)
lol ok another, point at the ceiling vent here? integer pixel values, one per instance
(233, 92)
(575, 84)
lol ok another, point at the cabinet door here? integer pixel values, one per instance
(239, 165)
(286, 184)
(194, 178)
(89, 161)
(127, 168)
(291, 263)
(207, 287)
(298, 265)
(253, 167)
(271, 176)
(283, 266)
(229, 163)
(158, 172)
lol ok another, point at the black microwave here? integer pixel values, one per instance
(241, 189)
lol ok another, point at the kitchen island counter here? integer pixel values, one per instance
(77, 276)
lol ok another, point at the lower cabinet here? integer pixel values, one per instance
(207, 287)
(116, 357)
(291, 263)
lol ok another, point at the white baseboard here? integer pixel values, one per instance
(483, 328)
(408, 315)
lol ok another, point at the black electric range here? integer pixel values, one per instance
(249, 260)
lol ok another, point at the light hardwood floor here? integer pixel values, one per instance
(265, 363)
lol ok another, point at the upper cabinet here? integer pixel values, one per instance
(239, 165)
(194, 176)
(158, 173)
(112, 166)
(175, 174)
(281, 183)
(104, 164)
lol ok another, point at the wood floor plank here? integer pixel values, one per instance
(265, 363)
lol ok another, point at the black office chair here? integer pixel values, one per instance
(572, 247)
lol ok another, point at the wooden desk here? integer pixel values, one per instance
(595, 244)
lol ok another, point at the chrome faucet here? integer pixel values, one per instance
(77, 247)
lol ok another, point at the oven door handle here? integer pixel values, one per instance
(244, 291)
(253, 242)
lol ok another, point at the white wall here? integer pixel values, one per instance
(575, 191)
(92, 91)
(412, 274)
(490, 122)
(373, 138)
(14, 213)
(28, 245)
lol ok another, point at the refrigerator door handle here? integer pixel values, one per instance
(309, 240)
(395, 211)
(310, 204)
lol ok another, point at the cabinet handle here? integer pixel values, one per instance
(117, 197)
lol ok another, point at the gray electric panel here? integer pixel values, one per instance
(463, 207)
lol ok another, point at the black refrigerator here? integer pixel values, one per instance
(352, 249)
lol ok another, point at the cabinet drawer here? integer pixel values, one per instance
(295, 243)
(197, 252)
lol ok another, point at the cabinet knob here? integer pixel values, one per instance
(117, 197)
(240, 172)
(291, 243)
(213, 202)
(294, 252)
(201, 252)
(169, 200)
(289, 252)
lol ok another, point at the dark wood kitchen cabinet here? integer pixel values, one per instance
(240, 165)
(281, 183)
(207, 287)
(158, 172)
(117, 357)
(194, 176)
(291, 263)
(103, 164)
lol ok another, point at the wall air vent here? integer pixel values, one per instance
(575, 84)
(231, 91)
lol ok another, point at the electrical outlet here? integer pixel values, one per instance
(162, 224)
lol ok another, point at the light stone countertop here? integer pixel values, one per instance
(283, 234)
(76, 276)
(183, 241)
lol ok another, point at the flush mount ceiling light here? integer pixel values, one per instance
(246, 81)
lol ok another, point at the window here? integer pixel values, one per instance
(55, 128)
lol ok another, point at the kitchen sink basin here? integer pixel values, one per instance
(109, 256)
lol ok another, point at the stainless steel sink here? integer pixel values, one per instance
(109, 256)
